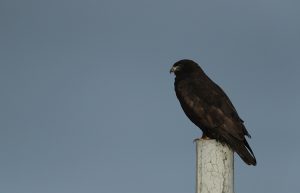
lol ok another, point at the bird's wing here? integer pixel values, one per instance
(208, 107)
(206, 104)
(215, 96)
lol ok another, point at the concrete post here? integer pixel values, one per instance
(214, 167)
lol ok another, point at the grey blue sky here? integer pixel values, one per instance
(88, 105)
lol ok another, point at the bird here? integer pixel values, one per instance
(210, 109)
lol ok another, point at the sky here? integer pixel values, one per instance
(88, 104)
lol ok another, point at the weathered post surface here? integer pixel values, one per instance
(214, 167)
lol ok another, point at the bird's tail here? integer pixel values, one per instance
(242, 148)
(246, 153)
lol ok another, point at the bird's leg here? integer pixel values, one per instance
(203, 137)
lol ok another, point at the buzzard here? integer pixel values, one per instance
(209, 108)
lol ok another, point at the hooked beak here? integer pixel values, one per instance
(174, 69)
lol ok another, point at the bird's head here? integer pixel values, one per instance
(185, 67)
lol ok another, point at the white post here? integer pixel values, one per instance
(214, 167)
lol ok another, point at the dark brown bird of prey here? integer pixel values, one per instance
(208, 107)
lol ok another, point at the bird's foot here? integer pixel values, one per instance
(203, 137)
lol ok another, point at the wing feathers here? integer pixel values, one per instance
(208, 107)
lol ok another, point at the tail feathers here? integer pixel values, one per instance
(246, 153)
(243, 149)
